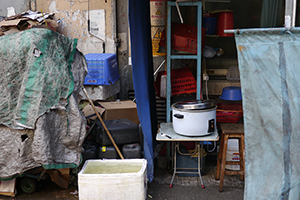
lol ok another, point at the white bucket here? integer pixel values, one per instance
(232, 154)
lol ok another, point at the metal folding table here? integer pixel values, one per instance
(166, 133)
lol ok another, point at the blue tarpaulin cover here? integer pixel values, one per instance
(142, 70)
(269, 68)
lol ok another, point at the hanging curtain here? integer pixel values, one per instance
(269, 68)
(142, 70)
(270, 13)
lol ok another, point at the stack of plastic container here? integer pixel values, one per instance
(125, 134)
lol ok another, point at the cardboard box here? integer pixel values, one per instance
(88, 111)
(120, 110)
(114, 110)
(14, 22)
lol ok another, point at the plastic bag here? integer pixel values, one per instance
(209, 52)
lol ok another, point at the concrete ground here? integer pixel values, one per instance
(184, 188)
(190, 188)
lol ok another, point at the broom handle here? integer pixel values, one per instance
(99, 117)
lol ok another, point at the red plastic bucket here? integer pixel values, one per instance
(225, 22)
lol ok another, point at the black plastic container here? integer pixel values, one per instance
(89, 151)
(123, 131)
(132, 151)
(107, 152)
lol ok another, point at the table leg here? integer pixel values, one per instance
(242, 156)
(174, 163)
(172, 154)
(219, 159)
(168, 145)
(200, 160)
(223, 162)
(202, 155)
(199, 164)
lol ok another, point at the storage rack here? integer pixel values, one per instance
(169, 57)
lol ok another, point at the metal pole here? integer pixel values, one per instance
(169, 90)
(290, 13)
(199, 48)
(296, 29)
(161, 64)
(179, 13)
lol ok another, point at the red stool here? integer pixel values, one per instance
(236, 131)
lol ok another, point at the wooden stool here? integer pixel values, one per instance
(230, 131)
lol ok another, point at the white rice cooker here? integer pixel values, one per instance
(194, 118)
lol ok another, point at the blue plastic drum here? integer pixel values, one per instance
(210, 24)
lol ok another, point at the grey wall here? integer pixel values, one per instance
(122, 50)
(19, 5)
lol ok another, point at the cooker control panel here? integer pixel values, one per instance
(211, 125)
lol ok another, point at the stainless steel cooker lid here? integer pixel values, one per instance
(195, 105)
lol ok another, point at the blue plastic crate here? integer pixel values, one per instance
(102, 69)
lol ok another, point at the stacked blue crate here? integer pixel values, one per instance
(102, 69)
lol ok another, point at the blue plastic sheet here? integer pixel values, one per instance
(142, 70)
(269, 68)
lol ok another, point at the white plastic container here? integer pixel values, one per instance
(101, 92)
(113, 179)
(232, 154)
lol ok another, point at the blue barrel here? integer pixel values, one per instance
(210, 24)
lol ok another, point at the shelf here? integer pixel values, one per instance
(183, 56)
(170, 56)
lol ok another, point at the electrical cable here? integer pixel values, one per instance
(215, 144)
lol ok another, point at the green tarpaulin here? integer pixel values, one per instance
(42, 74)
(35, 75)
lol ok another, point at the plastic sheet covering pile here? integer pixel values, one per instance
(35, 75)
(269, 67)
(41, 75)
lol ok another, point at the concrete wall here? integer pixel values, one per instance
(75, 22)
(103, 27)
(20, 6)
(106, 17)
(123, 48)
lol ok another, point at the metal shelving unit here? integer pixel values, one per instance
(170, 57)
